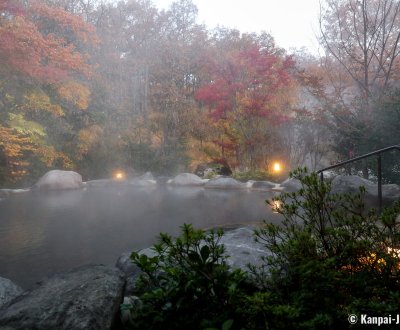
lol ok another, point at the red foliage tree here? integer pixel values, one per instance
(245, 96)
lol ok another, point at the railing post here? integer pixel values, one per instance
(380, 183)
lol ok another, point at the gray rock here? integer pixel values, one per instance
(225, 183)
(242, 249)
(84, 298)
(390, 192)
(130, 270)
(57, 179)
(263, 185)
(352, 183)
(8, 291)
(291, 185)
(187, 179)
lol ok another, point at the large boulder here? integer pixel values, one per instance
(291, 185)
(242, 249)
(352, 183)
(187, 179)
(391, 192)
(85, 298)
(225, 183)
(8, 291)
(57, 179)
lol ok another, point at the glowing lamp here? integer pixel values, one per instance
(277, 167)
(119, 175)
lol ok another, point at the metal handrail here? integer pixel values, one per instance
(379, 169)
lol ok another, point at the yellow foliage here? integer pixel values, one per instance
(200, 152)
(12, 144)
(39, 101)
(75, 93)
(87, 137)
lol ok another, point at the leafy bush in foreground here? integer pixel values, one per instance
(188, 285)
(329, 258)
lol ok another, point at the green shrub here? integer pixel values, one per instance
(188, 285)
(329, 258)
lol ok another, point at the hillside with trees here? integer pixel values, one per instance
(93, 86)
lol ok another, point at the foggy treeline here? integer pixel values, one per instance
(95, 86)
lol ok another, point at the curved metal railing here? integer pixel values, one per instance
(377, 153)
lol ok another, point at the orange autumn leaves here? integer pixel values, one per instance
(42, 70)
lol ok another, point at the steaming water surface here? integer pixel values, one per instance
(45, 233)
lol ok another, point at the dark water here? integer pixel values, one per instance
(45, 233)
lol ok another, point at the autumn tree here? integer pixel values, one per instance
(40, 64)
(248, 97)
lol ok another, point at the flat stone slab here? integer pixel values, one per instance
(84, 298)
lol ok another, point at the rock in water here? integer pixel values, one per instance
(291, 185)
(187, 179)
(84, 298)
(225, 183)
(8, 291)
(57, 179)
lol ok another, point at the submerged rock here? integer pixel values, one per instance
(8, 291)
(84, 298)
(57, 179)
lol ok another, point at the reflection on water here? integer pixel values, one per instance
(44, 233)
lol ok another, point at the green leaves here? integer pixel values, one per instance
(330, 256)
(187, 284)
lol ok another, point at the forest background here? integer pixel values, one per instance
(94, 86)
